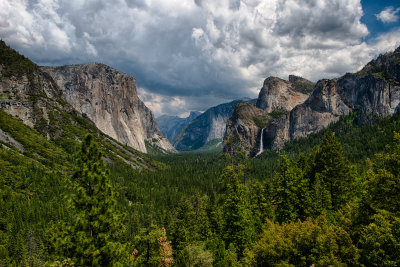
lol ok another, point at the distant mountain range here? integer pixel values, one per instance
(207, 128)
(170, 126)
(287, 111)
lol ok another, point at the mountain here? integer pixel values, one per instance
(276, 97)
(373, 92)
(277, 93)
(38, 125)
(171, 125)
(109, 98)
(207, 127)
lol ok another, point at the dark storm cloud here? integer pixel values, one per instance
(191, 54)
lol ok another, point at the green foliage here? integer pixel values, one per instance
(293, 194)
(239, 225)
(380, 241)
(303, 244)
(383, 184)
(152, 248)
(92, 237)
(330, 172)
(303, 87)
(14, 63)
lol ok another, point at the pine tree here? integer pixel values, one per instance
(292, 192)
(92, 238)
(383, 185)
(331, 174)
(239, 222)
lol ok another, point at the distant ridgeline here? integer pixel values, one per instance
(332, 197)
(288, 110)
(206, 131)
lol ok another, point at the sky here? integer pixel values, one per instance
(189, 55)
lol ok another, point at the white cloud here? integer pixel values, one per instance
(192, 54)
(389, 14)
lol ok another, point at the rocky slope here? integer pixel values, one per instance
(30, 96)
(276, 97)
(285, 95)
(207, 127)
(109, 98)
(372, 92)
(170, 126)
(243, 129)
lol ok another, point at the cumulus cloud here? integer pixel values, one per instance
(389, 14)
(192, 54)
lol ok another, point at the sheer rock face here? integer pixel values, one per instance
(374, 92)
(277, 96)
(206, 127)
(242, 131)
(28, 97)
(109, 98)
(280, 94)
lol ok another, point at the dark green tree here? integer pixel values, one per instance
(331, 174)
(292, 192)
(239, 223)
(91, 239)
(383, 184)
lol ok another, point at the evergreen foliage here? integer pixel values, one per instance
(92, 238)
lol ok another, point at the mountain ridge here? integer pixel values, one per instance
(109, 98)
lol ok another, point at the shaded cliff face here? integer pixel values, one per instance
(276, 98)
(109, 98)
(26, 92)
(170, 126)
(374, 92)
(32, 96)
(206, 128)
(285, 95)
(243, 129)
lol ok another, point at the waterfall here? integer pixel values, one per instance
(261, 150)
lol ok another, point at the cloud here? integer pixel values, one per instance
(388, 15)
(192, 54)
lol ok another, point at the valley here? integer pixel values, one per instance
(89, 178)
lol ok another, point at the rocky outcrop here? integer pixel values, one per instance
(243, 129)
(25, 92)
(374, 92)
(284, 95)
(170, 126)
(277, 97)
(109, 98)
(207, 127)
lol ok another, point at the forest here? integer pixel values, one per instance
(329, 199)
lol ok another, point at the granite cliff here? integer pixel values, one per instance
(276, 97)
(373, 92)
(30, 96)
(170, 126)
(109, 98)
(207, 128)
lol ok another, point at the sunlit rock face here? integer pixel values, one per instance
(277, 97)
(109, 98)
(374, 92)
(280, 94)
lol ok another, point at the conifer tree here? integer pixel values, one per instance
(331, 174)
(292, 193)
(92, 238)
(239, 223)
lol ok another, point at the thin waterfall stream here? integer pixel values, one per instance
(261, 150)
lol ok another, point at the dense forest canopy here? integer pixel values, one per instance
(332, 198)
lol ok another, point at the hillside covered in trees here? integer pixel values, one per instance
(73, 196)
